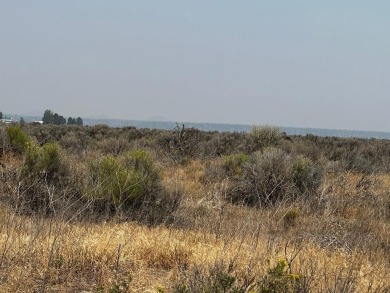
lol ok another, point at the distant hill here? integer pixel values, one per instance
(159, 118)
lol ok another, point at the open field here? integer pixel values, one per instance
(61, 232)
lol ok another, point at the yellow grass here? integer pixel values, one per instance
(38, 255)
(51, 255)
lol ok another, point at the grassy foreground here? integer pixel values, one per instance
(337, 241)
(51, 255)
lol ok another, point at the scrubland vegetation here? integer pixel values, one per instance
(99, 209)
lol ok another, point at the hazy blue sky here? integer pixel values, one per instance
(302, 63)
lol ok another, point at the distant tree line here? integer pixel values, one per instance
(75, 121)
(49, 117)
(1, 115)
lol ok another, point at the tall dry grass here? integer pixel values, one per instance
(337, 241)
(43, 255)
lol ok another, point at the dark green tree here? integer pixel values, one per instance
(79, 121)
(53, 118)
(48, 117)
(22, 121)
(56, 118)
(71, 121)
(1, 115)
(59, 119)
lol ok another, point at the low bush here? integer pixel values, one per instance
(44, 162)
(73, 142)
(42, 179)
(223, 279)
(181, 144)
(217, 279)
(234, 164)
(18, 138)
(114, 146)
(41, 176)
(4, 140)
(263, 136)
(129, 186)
(307, 176)
(278, 280)
(222, 143)
(271, 176)
(265, 180)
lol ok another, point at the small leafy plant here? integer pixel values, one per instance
(18, 138)
(233, 164)
(278, 280)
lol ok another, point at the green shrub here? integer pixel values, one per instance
(50, 160)
(116, 183)
(233, 164)
(271, 176)
(222, 279)
(130, 186)
(278, 280)
(37, 160)
(216, 279)
(266, 179)
(181, 144)
(121, 285)
(4, 140)
(110, 178)
(31, 159)
(45, 161)
(43, 172)
(306, 175)
(18, 138)
(263, 136)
